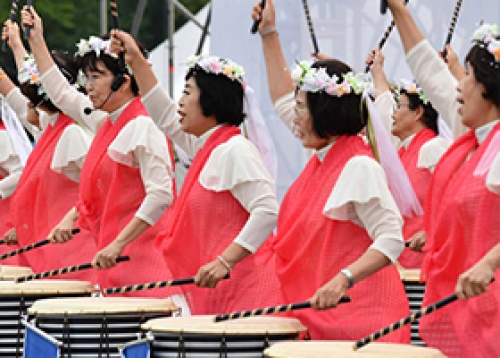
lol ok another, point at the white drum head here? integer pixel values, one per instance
(9, 273)
(45, 287)
(101, 306)
(243, 326)
(344, 350)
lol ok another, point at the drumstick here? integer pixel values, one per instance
(310, 25)
(63, 271)
(383, 6)
(31, 246)
(384, 37)
(256, 23)
(407, 320)
(269, 310)
(12, 17)
(452, 27)
(29, 3)
(151, 285)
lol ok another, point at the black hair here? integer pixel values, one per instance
(486, 72)
(89, 63)
(219, 96)
(68, 68)
(430, 116)
(332, 116)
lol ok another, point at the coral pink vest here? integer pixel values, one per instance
(202, 224)
(462, 226)
(41, 200)
(311, 249)
(110, 195)
(420, 179)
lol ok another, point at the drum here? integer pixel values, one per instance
(199, 336)
(15, 300)
(338, 349)
(9, 273)
(415, 292)
(94, 327)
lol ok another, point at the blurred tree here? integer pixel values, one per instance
(66, 22)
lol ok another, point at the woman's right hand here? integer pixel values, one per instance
(376, 61)
(266, 16)
(30, 18)
(63, 231)
(11, 34)
(11, 237)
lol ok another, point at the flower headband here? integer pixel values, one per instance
(412, 88)
(487, 36)
(93, 44)
(318, 80)
(29, 73)
(218, 66)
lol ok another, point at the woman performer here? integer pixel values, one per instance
(413, 122)
(227, 207)
(126, 181)
(10, 172)
(49, 182)
(461, 217)
(338, 218)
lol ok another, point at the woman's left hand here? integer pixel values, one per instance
(475, 281)
(210, 274)
(106, 258)
(329, 295)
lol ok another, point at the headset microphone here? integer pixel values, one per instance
(87, 110)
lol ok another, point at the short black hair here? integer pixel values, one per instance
(430, 117)
(486, 72)
(219, 96)
(332, 116)
(90, 59)
(67, 65)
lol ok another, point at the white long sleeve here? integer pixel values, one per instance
(437, 82)
(10, 166)
(19, 105)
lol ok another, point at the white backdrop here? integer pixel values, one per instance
(346, 29)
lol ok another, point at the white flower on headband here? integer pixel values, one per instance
(218, 66)
(488, 36)
(412, 88)
(93, 44)
(29, 73)
(318, 80)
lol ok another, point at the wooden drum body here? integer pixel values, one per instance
(15, 299)
(93, 327)
(415, 292)
(9, 273)
(326, 349)
(200, 337)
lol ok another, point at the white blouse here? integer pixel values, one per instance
(437, 82)
(139, 144)
(367, 203)
(10, 166)
(429, 153)
(19, 105)
(235, 166)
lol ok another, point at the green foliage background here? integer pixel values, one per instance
(66, 21)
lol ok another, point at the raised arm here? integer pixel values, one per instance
(279, 78)
(11, 35)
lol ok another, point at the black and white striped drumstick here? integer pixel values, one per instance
(452, 27)
(31, 247)
(403, 322)
(270, 310)
(29, 3)
(384, 38)
(12, 17)
(150, 285)
(310, 25)
(256, 23)
(63, 271)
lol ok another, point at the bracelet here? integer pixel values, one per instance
(348, 274)
(267, 31)
(3, 76)
(225, 263)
